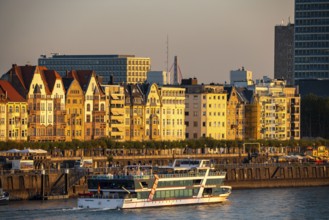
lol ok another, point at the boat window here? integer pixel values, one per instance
(144, 184)
(196, 182)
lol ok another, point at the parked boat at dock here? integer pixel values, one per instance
(185, 182)
(4, 197)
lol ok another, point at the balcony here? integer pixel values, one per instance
(95, 112)
(60, 112)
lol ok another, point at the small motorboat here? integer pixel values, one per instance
(4, 197)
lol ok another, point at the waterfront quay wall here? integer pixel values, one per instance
(23, 185)
(276, 175)
(28, 185)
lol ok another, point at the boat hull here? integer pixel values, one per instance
(100, 203)
(105, 203)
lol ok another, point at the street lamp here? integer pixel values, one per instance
(123, 155)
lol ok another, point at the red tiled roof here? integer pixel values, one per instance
(12, 94)
(21, 77)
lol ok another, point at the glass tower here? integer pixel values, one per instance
(311, 59)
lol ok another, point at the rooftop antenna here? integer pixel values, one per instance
(167, 61)
(289, 20)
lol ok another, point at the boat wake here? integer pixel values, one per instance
(72, 209)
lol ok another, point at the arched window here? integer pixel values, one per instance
(102, 107)
(10, 109)
(17, 109)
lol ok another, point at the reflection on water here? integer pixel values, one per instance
(285, 203)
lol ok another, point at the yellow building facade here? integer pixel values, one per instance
(115, 112)
(235, 114)
(46, 104)
(153, 104)
(13, 114)
(134, 113)
(276, 104)
(173, 113)
(74, 110)
(205, 111)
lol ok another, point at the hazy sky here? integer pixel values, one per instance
(210, 37)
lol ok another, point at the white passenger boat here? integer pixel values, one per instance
(186, 182)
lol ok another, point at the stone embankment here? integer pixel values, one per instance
(53, 184)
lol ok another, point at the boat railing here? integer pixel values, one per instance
(151, 176)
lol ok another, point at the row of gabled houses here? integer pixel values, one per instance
(38, 104)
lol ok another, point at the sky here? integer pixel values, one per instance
(209, 37)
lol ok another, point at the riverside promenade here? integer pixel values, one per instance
(54, 181)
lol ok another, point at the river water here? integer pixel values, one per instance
(278, 203)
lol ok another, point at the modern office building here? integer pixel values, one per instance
(123, 68)
(158, 77)
(311, 39)
(241, 78)
(284, 53)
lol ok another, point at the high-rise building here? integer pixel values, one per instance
(123, 68)
(311, 39)
(284, 52)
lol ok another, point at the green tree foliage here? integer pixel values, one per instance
(315, 116)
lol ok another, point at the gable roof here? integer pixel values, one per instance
(67, 83)
(20, 78)
(84, 77)
(50, 77)
(10, 91)
(247, 94)
(239, 92)
(133, 91)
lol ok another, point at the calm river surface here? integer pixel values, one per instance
(283, 203)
